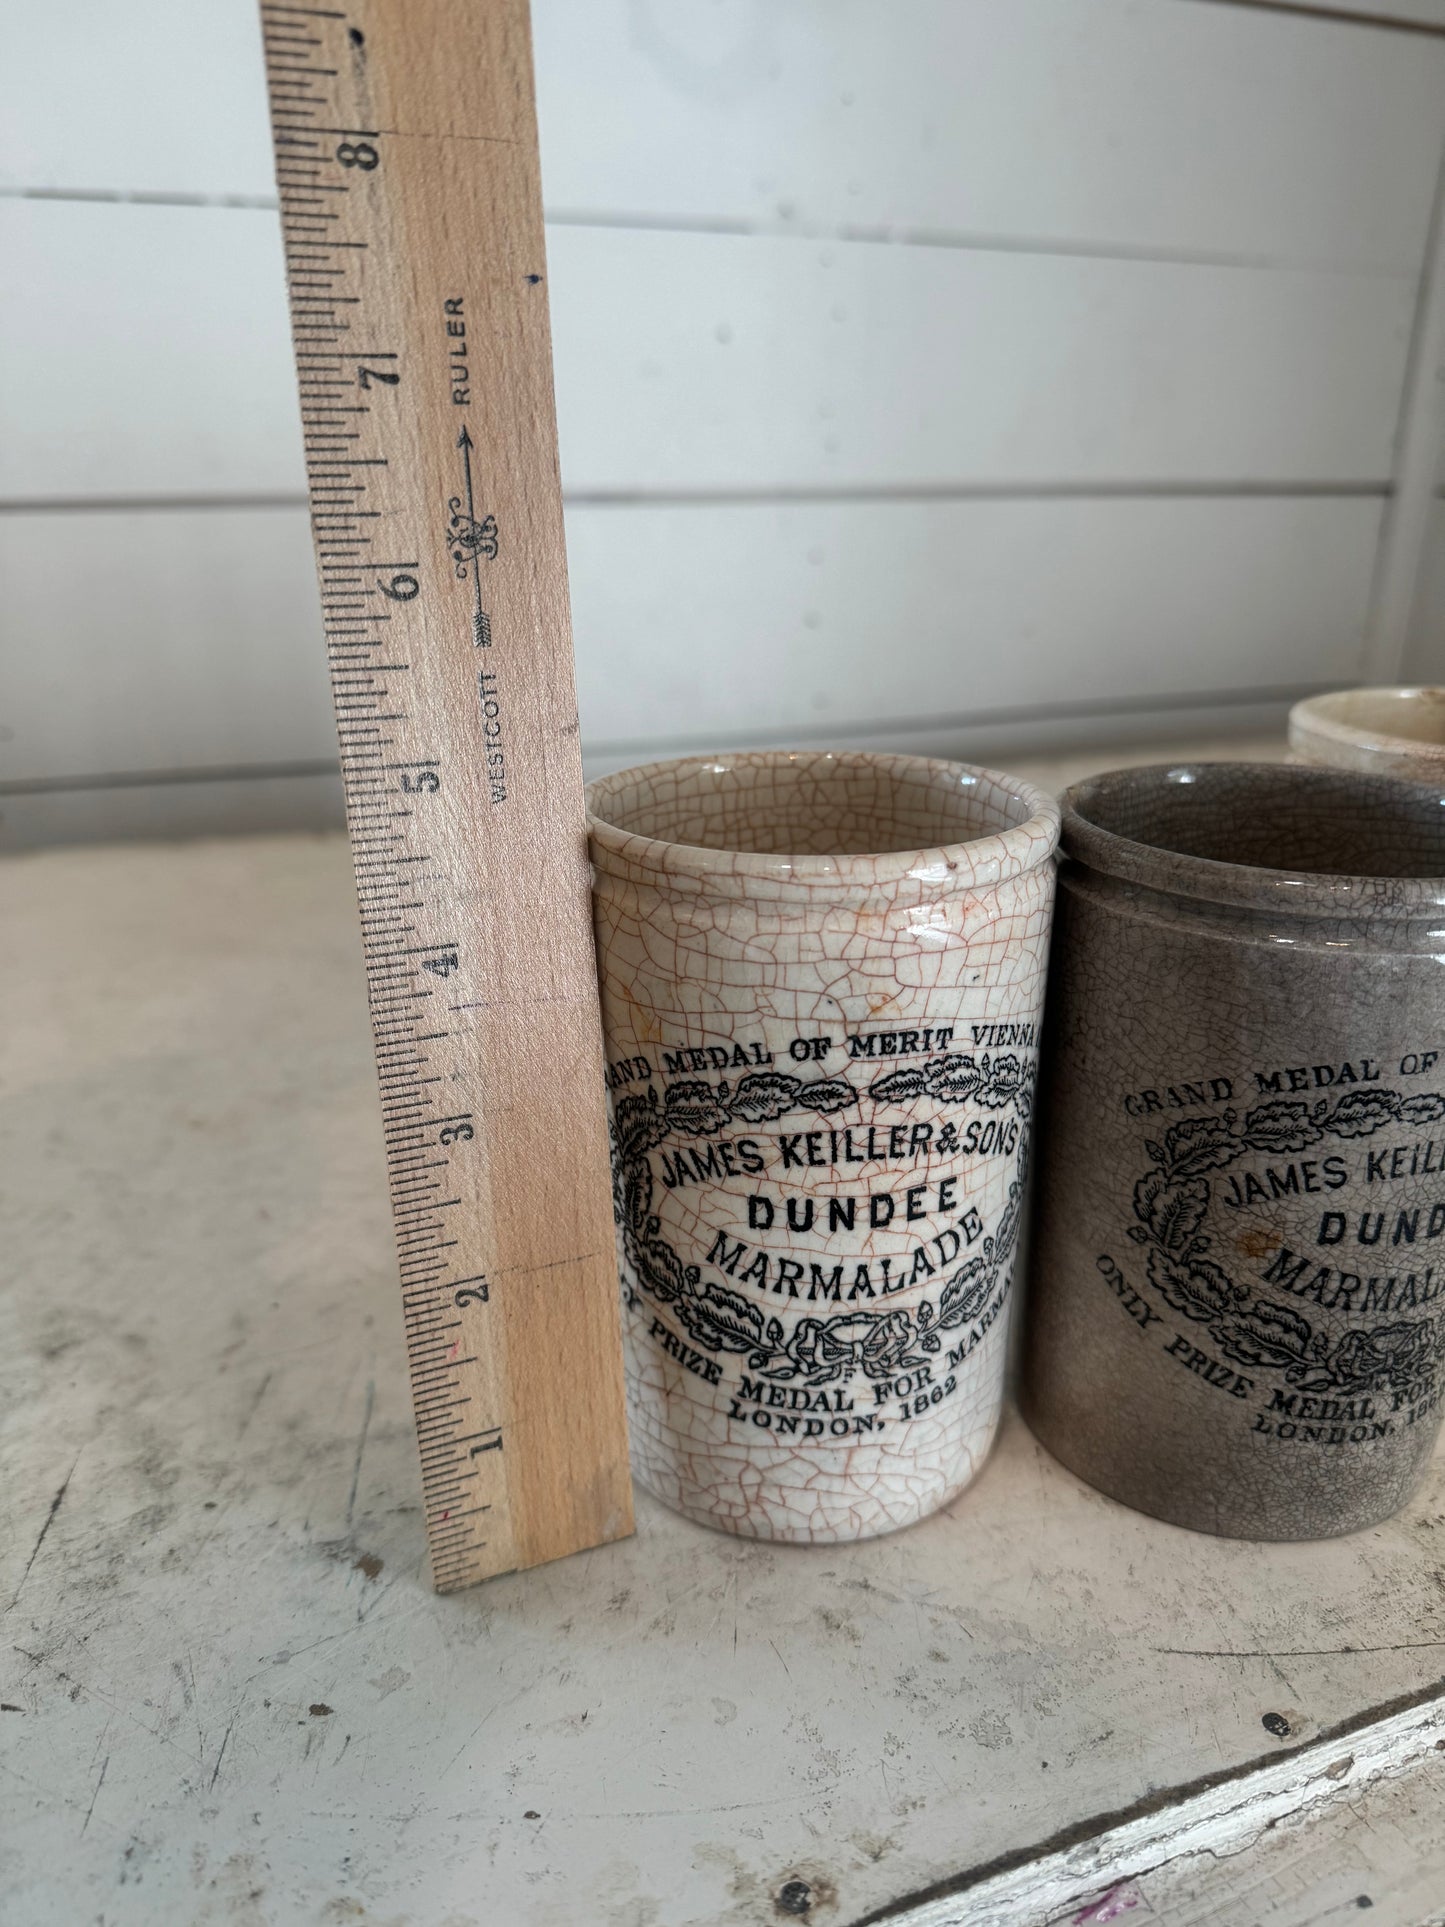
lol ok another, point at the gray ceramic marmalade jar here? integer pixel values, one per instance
(1237, 1304)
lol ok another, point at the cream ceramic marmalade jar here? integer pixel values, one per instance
(822, 981)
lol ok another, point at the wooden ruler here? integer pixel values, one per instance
(406, 156)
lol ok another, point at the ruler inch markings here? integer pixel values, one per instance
(416, 120)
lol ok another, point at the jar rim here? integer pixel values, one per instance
(1327, 717)
(1300, 892)
(1021, 829)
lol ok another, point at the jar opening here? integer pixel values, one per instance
(850, 822)
(813, 803)
(1261, 832)
(1376, 718)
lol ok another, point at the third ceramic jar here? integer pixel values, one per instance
(1238, 1270)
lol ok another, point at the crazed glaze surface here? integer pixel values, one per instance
(1237, 1293)
(821, 1064)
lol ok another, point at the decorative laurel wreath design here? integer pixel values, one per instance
(1172, 1200)
(817, 1351)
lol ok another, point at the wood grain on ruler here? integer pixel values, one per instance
(411, 207)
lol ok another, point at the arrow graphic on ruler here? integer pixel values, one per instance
(474, 540)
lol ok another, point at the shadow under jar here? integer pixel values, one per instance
(822, 981)
(1237, 1275)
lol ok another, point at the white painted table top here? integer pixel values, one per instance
(231, 1696)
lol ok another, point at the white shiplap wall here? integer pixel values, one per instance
(944, 372)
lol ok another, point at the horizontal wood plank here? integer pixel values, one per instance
(1182, 128)
(135, 96)
(156, 351)
(161, 641)
(750, 363)
(712, 626)
(156, 362)
(1178, 128)
(697, 626)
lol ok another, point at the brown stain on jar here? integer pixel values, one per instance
(1258, 1244)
